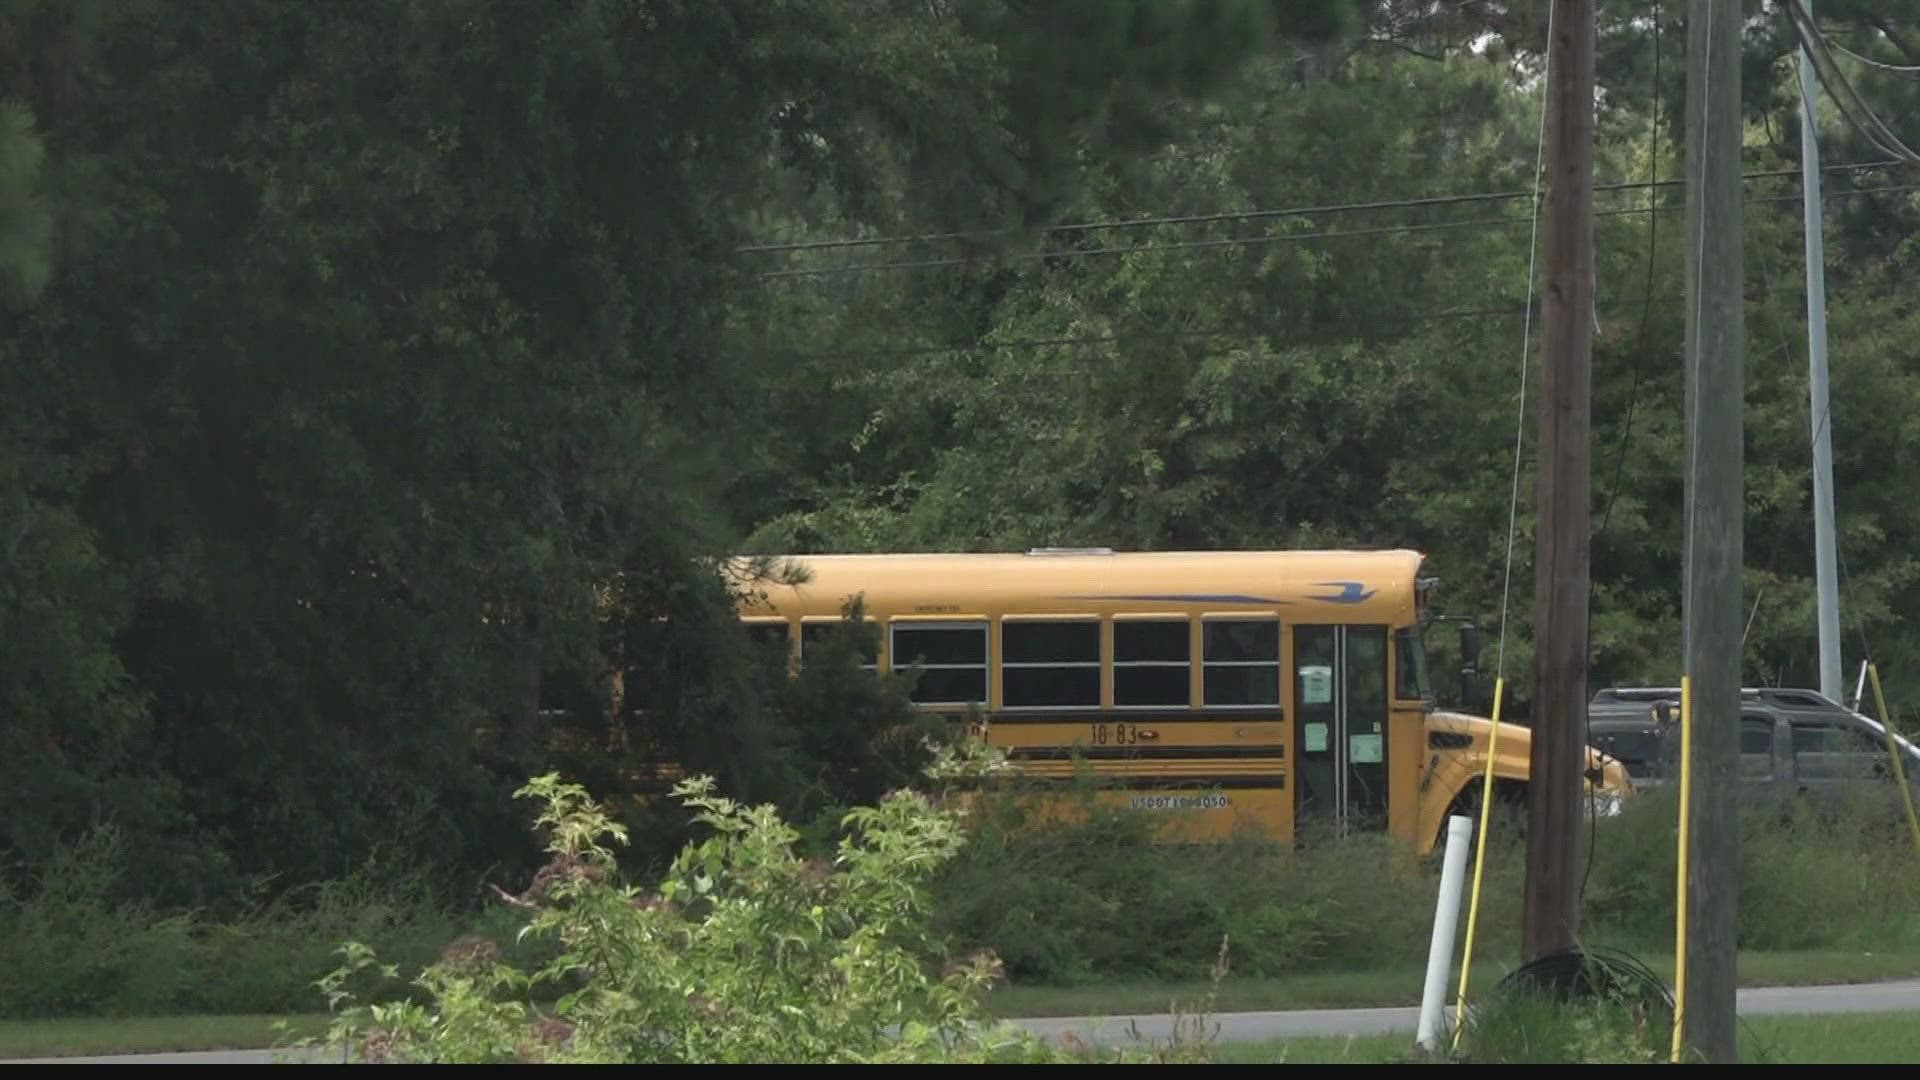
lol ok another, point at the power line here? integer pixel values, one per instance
(1282, 238)
(1519, 439)
(1178, 245)
(1873, 129)
(1258, 215)
(1243, 333)
(1174, 219)
(1904, 69)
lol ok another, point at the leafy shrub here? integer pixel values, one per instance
(71, 945)
(747, 952)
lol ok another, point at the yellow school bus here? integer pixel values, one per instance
(1277, 691)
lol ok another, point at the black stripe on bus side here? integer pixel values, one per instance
(1275, 751)
(1221, 716)
(1277, 781)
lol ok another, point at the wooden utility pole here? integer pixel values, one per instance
(1716, 342)
(1551, 915)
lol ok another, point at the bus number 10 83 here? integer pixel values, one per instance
(1116, 734)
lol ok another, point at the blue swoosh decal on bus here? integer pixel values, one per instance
(1351, 592)
(1190, 598)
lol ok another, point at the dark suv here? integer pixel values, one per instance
(1791, 742)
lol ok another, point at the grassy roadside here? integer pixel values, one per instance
(1852, 1039)
(1360, 989)
(81, 1037)
(1400, 986)
(1087, 921)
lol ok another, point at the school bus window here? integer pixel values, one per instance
(1150, 663)
(1050, 664)
(1411, 669)
(953, 657)
(1242, 661)
(769, 637)
(814, 636)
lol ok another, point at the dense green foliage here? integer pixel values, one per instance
(375, 382)
(746, 952)
(1347, 374)
(1098, 901)
(377, 386)
(1094, 903)
(74, 946)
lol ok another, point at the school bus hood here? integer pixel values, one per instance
(1515, 749)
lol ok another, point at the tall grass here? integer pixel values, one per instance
(1096, 899)
(1061, 904)
(1840, 876)
(1522, 1026)
(69, 947)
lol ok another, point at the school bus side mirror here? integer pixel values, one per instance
(1473, 691)
(1470, 648)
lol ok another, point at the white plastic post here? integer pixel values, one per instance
(1446, 916)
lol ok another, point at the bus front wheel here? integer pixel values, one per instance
(1508, 819)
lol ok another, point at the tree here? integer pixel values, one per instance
(380, 345)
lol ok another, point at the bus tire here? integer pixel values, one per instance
(1509, 816)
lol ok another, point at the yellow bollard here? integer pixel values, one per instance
(1680, 877)
(1479, 864)
(1893, 751)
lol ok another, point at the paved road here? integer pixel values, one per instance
(1898, 996)
(1903, 995)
